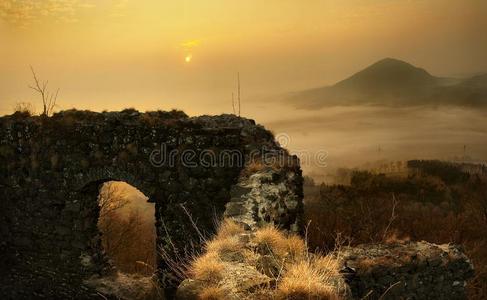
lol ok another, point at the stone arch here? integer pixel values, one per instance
(51, 170)
(101, 175)
(93, 257)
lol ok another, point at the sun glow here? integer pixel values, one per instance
(188, 58)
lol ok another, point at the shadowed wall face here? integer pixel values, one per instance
(52, 169)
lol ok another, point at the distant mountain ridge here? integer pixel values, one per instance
(395, 82)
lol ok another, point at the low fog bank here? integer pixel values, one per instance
(360, 136)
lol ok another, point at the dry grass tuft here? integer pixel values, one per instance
(207, 268)
(227, 244)
(303, 281)
(297, 275)
(223, 246)
(212, 293)
(295, 246)
(229, 228)
(327, 265)
(271, 240)
(24, 108)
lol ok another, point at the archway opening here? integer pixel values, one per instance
(127, 226)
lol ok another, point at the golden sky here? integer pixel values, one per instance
(112, 54)
(185, 54)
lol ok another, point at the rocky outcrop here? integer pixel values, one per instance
(268, 197)
(412, 270)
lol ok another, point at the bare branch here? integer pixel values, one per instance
(392, 218)
(238, 90)
(48, 99)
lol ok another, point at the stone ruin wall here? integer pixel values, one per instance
(51, 171)
(410, 270)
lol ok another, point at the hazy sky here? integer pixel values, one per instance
(112, 54)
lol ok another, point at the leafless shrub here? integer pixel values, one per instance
(111, 198)
(391, 219)
(48, 98)
(25, 108)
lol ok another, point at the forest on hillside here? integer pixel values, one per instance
(438, 202)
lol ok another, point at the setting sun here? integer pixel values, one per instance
(188, 58)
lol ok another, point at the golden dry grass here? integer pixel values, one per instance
(229, 228)
(212, 293)
(271, 240)
(303, 281)
(222, 246)
(207, 268)
(327, 265)
(295, 246)
(300, 277)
